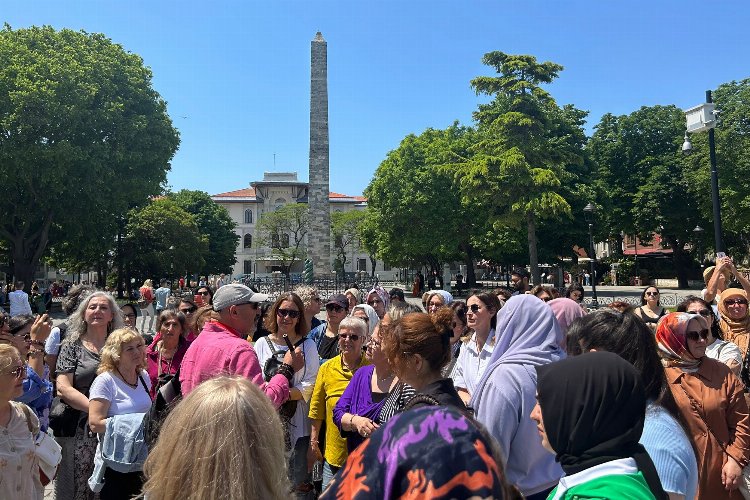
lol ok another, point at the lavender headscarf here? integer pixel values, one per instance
(527, 333)
(382, 294)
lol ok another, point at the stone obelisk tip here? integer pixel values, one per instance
(319, 37)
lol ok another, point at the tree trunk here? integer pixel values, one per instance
(373, 262)
(471, 278)
(533, 257)
(26, 250)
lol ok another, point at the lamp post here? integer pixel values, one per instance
(698, 232)
(700, 118)
(588, 211)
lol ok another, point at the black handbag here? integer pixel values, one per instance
(64, 420)
(271, 366)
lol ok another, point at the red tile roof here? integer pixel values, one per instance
(239, 193)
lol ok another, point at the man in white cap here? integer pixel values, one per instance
(221, 348)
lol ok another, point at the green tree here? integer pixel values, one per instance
(284, 231)
(411, 181)
(345, 232)
(83, 136)
(524, 146)
(644, 185)
(216, 226)
(162, 239)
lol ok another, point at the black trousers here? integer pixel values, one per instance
(121, 486)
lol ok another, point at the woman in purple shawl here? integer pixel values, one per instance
(528, 335)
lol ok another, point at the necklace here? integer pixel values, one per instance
(134, 386)
(347, 366)
(383, 379)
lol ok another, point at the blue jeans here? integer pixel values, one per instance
(328, 472)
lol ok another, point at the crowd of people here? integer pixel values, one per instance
(512, 393)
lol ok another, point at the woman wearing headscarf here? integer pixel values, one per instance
(432, 452)
(378, 299)
(711, 402)
(527, 336)
(590, 414)
(734, 320)
(366, 314)
(438, 299)
(566, 311)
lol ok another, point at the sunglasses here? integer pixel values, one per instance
(288, 312)
(735, 302)
(18, 372)
(546, 298)
(652, 294)
(353, 336)
(694, 336)
(474, 308)
(334, 308)
(205, 292)
(703, 312)
(189, 310)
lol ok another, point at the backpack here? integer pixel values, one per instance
(271, 366)
(165, 399)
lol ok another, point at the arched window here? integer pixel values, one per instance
(248, 241)
(248, 216)
(284, 241)
(280, 202)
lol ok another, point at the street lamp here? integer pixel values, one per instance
(698, 232)
(700, 118)
(588, 212)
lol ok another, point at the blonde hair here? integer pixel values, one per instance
(112, 350)
(223, 441)
(7, 354)
(148, 283)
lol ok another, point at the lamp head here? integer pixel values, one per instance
(588, 212)
(687, 146)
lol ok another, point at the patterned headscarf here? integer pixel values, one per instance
(729, 327)
(381, 293)
(430, 452)
(671, 337)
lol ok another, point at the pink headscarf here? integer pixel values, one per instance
(566, 311)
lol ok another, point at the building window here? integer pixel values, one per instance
(247, 266)
(362, 265)
(386, 266)
(248, 241)
(280, 202)
(248, 216)
(284, 241)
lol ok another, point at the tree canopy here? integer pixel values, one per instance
(83, 137)
(284, 231)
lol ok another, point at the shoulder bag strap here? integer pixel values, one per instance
(145, 387)
(29, 421)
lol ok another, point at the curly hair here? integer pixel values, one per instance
(112, 350)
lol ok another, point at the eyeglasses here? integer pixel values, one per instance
(703, 312)
(353, 336)
(190, 310)
(735, 302)
(288, 312)
(652, 294)
(334, 308)
(130, 316)
(474, 308)
(702, 334)
(18, 372)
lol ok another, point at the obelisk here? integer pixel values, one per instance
(319, 236)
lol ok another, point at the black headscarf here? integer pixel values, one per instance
(593, 407)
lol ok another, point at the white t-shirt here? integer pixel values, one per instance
(723, 351)
(122, 398)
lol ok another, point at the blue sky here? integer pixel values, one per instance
(235, 74)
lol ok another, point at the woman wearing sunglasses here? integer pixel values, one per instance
(650, 310)
(286, 319)
(481, 317)
(333, 378)
(711, 402)
(19, 474)
(716, 347)
(734, 320)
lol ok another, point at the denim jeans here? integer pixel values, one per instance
(328, 472)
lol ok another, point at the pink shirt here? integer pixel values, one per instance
(220, 350)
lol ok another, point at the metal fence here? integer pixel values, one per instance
(273, 286)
